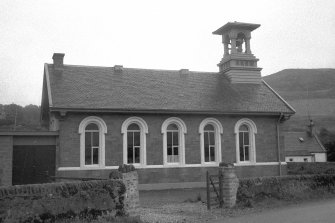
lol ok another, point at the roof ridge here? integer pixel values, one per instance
(280, 97)
(135, 68)
(319, 142)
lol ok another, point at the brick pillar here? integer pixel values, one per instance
(229, 186)
(132, 199)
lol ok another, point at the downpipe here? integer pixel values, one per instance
(278, 144)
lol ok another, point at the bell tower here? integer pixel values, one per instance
(238, 62)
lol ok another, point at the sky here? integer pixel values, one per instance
(155, 34)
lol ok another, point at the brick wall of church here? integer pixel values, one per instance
(6, 156)
(266, 144)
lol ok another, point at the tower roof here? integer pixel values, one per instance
(239, 25)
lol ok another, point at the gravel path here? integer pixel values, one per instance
(188, 212)
(183, 206)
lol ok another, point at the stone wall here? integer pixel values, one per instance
(44, 202)
(294, 187)
(166, 178)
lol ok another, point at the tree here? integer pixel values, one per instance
(15, 117)
(328, 140)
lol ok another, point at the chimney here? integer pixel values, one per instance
(183, 72)
(118, 68)
(311, 127)
(58, 62)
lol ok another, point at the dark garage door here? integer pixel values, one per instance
(33, 164)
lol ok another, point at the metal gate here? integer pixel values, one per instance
(214, 190)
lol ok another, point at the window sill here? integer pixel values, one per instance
(92, 167)
(258, 163)
(173, 165)
(210, 164)
(245, 164)
(137, 165)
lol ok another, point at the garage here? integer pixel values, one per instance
(27, 157)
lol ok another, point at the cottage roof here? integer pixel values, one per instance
(302, 144)
(133, 89)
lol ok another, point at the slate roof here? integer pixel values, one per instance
(89, 87)
(295, 147)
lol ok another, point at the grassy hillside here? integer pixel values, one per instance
(310, 92)
(303, 83)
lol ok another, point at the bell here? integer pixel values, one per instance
(239, 42)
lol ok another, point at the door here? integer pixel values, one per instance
(33, 164)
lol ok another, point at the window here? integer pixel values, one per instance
(92, 132)
(92, 144)
(244, 143)
(134, 130)
(173, 130)
(245, 130)
(209, 143)
(134, 145)
(172, 144)
(210, 131)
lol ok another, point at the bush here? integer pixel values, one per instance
(284, 188)
(115, 174)
(124, 168)
(103, 219)
(310, 168)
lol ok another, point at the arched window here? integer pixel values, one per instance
(134, 131)
(210, 131)
(174, 130)
(133, 144)
(172, 134)
(245, 130)
(92, 132)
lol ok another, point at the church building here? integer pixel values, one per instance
(172, 125)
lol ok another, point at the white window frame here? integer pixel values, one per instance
(92, 147)
(143, 142)
(102, 131)
(173, 146)
(134, 147)
(218, 131)
(182, 130)
(252, 131)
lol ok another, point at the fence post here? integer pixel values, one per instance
(208, 192)
(220, 188)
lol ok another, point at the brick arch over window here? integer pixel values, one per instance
(251, 145)
(143, 131)
(218, 131)
(102, 129)
(182, 130)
